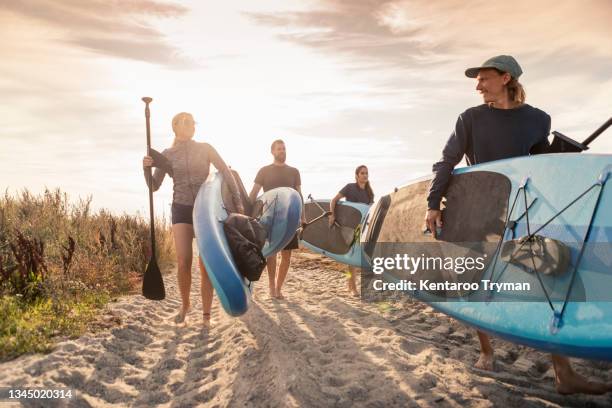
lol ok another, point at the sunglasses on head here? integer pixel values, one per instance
(185, 122)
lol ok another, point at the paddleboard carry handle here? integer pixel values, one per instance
(556, 322)
(603, 177)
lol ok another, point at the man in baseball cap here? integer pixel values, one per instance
(504, 126)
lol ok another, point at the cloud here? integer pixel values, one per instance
(418, 50)
(419, 34)
(351, 28)
(116, 28)
(150, 50)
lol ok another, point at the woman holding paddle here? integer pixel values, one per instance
(189, 162)
(358, 192)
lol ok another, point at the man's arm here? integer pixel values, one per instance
(257, 185)
(543, 146)
(298, 188)
(254, 192)
(453, 152)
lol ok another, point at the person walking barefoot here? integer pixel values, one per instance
(190, 161)
(358, 192)
(278, 174)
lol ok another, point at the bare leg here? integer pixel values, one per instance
(487, 358)
(207, 293)
(282, 271)
(567, 381)
(271, 265)
(183, 238)
(352, 284)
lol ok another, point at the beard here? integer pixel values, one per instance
(280, 157)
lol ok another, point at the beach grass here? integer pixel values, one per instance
(60, 263)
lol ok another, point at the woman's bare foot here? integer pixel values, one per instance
(279, 295)
(567, 381)
(206, 320)
(180, 317)
(352, 288)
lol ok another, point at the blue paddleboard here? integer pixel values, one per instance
(568, 198)
(340, 241)
(281, 212)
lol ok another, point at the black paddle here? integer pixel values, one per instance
(152, 282)
(564, 144)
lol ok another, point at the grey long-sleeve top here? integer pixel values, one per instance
(191, 165)
(484, 134)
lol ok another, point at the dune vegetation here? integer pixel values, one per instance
(60, 263)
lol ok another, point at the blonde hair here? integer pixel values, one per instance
(516, 92)
(178, 118)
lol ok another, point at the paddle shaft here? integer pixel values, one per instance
(325, 213)
(149, 171)
(598, 132)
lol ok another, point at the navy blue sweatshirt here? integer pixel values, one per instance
(484, 134)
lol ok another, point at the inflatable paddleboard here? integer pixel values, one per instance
(279, 213)
(564, 199)
(341, 241)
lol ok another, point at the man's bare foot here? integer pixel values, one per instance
(567, 381)
(279, 295)
(180, 317)
(486, 361)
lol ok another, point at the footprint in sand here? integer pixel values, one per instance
(508, 356)
(335, 381)
(171, 364)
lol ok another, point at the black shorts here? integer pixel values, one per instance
(293, 244)
(182, 214)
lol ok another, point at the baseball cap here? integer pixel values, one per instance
(504, 63)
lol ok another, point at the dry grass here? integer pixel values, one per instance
(55, 253)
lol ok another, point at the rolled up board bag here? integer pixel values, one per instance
(549, 256)
(246, 237)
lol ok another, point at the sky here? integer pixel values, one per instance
(343, 82)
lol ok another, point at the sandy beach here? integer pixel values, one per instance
(318, 347)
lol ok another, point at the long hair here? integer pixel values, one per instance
(368, 187)
(178, 118)
(516, 91)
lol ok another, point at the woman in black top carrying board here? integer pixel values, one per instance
(358, 192)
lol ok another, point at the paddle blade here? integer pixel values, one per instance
(152, 282)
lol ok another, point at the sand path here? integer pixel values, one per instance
(317, 348)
